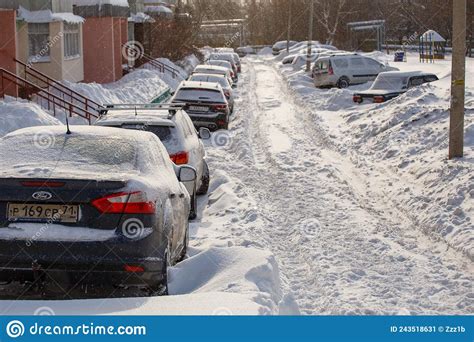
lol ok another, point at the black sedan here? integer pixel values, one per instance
(98, 205)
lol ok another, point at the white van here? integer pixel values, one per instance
(345, 70)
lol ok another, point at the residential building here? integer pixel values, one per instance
(105, 32)
(44, 34)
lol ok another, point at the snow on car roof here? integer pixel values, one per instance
(211, 67)
(404, 73)
(150, 117)
(200, 85)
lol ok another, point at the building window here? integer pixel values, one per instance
(38, 40)
(71, 40)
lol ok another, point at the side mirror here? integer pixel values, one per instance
(187, 174)
(204, 133)
(234, 85)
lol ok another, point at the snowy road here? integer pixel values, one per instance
(340, 249)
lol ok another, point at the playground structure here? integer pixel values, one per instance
(432, 47)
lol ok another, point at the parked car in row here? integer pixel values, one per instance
(389, 85)
(97, 190)
(205, 103)
(225, 64)
(214, 70)
(345, 70)
(220, 79)
(281, 45)
(229, 57)
(176, 131)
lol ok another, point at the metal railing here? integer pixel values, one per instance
(53, 86)
(45, 99)
(148, 62)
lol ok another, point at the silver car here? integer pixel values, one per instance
(345, 70)
(176, 131)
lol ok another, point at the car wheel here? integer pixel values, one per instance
(193, 213)
(343, 83)
(206, 178)
(161, 289)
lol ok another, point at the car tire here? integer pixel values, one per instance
(182, 256)
(161, 288)
(343, 83)
(206, 178)
(193, 212)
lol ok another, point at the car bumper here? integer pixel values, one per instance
(85, 262)
(212, 121)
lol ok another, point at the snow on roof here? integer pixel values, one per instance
(158, 9)
(432, 36)
(140, 17)
(201, 85)
(46, 16)
(121, 3)
(211, 67)
(157, 117)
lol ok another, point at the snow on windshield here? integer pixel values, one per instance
(193, 94)
(390, 83)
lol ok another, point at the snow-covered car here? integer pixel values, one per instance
(222, 80)
(245, 50)
(281, 45)
(175, 130)
(223, 56)
(302, 55)
(391, 84)
(238, 62)
(345, 70)
(206, 104)
(67, 204)
(233, 68)
(214, 70)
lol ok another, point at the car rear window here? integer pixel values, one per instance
(209, 71)
(162, 132)
(196, 94)
(92, 153)
(390, 83)
(322, 66)
(213, 79)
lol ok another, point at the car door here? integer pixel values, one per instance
(374, 68)
(359, 70)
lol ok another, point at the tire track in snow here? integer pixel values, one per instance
(361, 259)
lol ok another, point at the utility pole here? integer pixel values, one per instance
(288, 35)
(458, 85)
(310, 36)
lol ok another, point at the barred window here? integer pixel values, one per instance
(38, 40)
(71, 40)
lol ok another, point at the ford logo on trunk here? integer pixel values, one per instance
(42, 196)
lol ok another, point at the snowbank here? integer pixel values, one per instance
(224, 273)
(401, 145)
(20, 114)
(140, 86)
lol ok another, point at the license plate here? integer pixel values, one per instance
(43, 212)
(198, 108)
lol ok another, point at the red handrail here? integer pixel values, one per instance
(52, 100)
(74, 96)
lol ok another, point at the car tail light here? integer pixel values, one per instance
(39, 184)
(232, 74)
(331, 70)
(227, 93)
(124, 203)
(357, 98)
(133, 269)
(180, 158)
(379, 99)
(220, 108)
